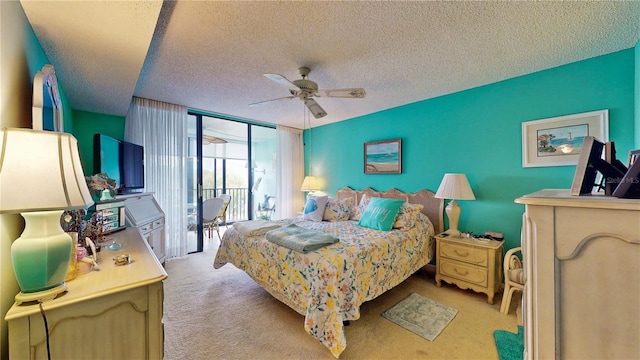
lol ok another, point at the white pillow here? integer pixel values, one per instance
(314, 208)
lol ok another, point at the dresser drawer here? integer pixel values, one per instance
(469, 273)
(468, 254)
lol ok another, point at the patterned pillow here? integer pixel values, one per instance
(357, 211)
(314, 208)
(338, 210)
(407, 216)
(381, 213)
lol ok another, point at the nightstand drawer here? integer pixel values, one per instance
(468, 273)
(468, 254)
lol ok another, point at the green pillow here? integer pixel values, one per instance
(380, 213)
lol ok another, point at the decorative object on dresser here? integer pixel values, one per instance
(629, 185)
(383, 157)
(558, 141)
(454, 187)
(40, 177)
(143, 212)
(470, 262)
(583, 276)
(617, 180)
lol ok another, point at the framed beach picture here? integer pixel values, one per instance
(558, 141)
(383, 157)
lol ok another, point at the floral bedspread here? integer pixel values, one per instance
(331, 283)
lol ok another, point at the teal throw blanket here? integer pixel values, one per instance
(300, 239)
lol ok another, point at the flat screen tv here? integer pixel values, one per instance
(120, 160)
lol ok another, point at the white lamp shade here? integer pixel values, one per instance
(39, 171)
(455, 186)
(310, 183)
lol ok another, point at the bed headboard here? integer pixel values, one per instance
(433, 207)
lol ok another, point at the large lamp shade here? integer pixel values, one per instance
(310, 183)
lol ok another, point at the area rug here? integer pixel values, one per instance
(510, 346)
(421, 315)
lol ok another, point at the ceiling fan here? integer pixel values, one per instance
(305, 90)
(208, 139)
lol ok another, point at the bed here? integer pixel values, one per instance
(328, 285)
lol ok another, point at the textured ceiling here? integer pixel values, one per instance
(210, 55)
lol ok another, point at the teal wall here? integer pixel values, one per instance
(478, 132)
(637, 96)
(85, 125)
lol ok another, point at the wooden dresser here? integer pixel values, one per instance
(582, 263)
(111, 313)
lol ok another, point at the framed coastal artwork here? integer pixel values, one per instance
(383, 157)
(558, 141)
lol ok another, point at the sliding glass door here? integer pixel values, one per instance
(227, 157)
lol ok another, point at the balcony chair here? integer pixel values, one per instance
(211, 209)
(514, 277)
(222, 216)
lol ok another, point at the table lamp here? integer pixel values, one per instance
(310, 184)
(454, 187)
(40, 177)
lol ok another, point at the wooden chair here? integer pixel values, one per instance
(514, 278)
(211, 208)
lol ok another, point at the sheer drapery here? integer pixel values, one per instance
(162, 129)
(290, 171)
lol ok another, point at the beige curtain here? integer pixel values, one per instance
(162, 129)
(290, 171)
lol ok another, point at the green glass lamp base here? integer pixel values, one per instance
(41, 296)
(41, 256)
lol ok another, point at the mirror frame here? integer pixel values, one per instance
(45, 83)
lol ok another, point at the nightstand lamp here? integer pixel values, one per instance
(310, 184)
(454, 187)
(40, 177)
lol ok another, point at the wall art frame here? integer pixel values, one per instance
(383, 157)
(557, 141)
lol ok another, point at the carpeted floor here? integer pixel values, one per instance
(223, 314)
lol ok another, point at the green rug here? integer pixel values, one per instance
(421, 315)
(510, 345)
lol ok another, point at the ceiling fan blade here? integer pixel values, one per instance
(344, 93)
(208, 139)
(314, 108)
(282, 81)
(272, 100)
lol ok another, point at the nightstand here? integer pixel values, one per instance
(470, 263)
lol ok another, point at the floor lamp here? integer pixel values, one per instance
(40, 177)
(454, 187)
